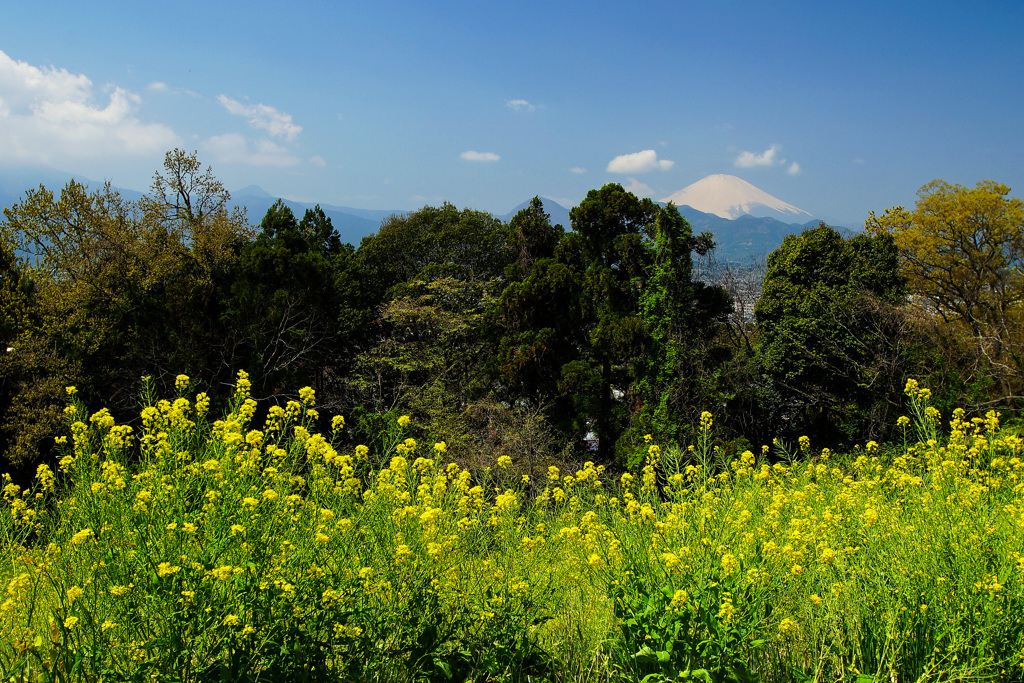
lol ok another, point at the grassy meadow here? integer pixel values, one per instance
(207, 548)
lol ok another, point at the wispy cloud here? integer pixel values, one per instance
(232, 148)
(577, 170)
(639, 162)
(276, 123)
(161, 87)
(50, 116)
(470, 155)
(639, 189)
(318, 160)
(794, 169)
(520, 105)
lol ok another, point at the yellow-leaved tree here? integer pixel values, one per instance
(962, 251)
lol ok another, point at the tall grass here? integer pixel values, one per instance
(201, 550)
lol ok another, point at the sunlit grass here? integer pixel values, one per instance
(200, 549)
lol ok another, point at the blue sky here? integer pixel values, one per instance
(838, 108)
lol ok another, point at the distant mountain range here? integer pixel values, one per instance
(745, 220)
(352, 224)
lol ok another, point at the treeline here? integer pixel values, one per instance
(518, 338)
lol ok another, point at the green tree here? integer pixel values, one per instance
(610, 331)
(683, 317)
(121, 289)
(283, 307)
(84, 253)
(831, 354)
(534, 326)
(433, 242)
(609, 248)
(418, 290)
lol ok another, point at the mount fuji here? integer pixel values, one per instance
(730, 197)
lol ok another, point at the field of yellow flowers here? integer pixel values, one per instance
(194, 549)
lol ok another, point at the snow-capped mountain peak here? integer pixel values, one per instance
(731, 197)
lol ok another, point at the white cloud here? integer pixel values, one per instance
(51, 116)
(577, 170)
(161, 87)
(639, 189)
(232, 148)
(765, 158)
(264, 117)
(479, 156)
(520, 105)
(318, 160)
(639, 162)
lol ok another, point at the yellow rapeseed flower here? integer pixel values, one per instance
(166, 569)
(242, 384)
(730, 565)
(726, 610)
(222, 573)
(82, 536)
(404, 421)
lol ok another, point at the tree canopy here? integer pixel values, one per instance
(827, 334)
(962, 252)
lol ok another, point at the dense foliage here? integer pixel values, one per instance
(594, 334)
(194, 549)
